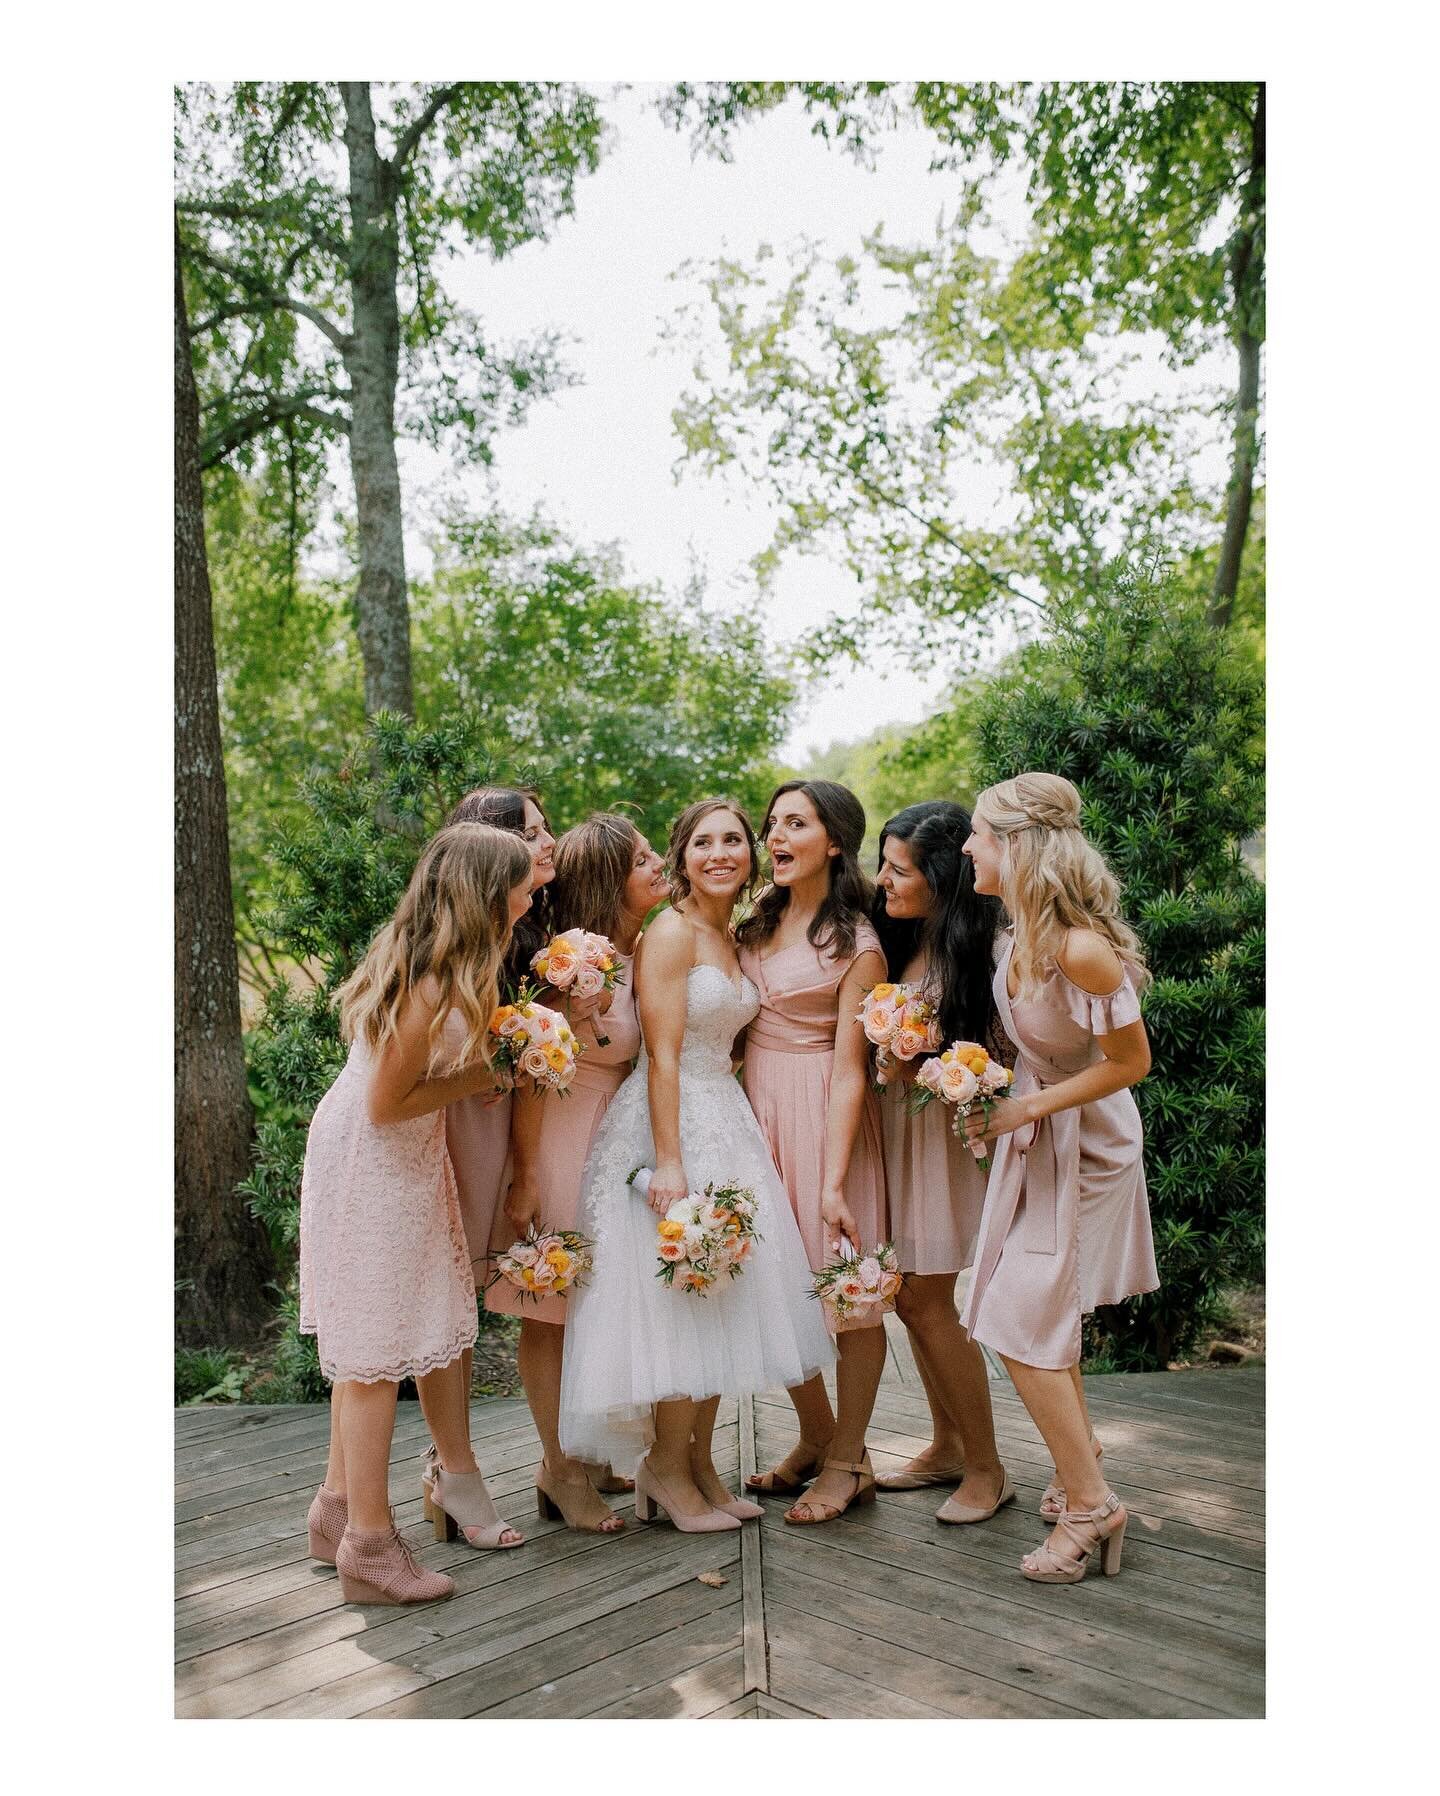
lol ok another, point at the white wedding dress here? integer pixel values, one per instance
(631, 1341)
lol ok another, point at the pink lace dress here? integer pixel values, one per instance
(568, 1129)
(789, 1053)
(385, 1279)
(1067, 1220)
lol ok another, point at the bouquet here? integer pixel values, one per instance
(527, 1038)
(704, 1236)
(901, 1024)
(578, 961)
(850, 1284)
(965, 1076)
(544, 1261)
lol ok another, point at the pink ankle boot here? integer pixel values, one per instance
(379, 1568)
(326, 1524)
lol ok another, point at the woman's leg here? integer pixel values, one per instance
(367, 1423)
(953, 1367)
(669, 1458)
(857, 1378)
(1058, 1411)
(541, 1360)
(702, 1453)
(817, 1427)
(335, 1465)
(444, 1402)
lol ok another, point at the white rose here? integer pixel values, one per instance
(869, 1273)
(995, 1077)
(534, 1064)
(589, 981)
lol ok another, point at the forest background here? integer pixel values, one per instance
(997, 483)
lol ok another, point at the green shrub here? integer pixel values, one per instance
(1158, 720)
(208, 1375)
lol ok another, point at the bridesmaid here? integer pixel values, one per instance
(811, 953)
(607, 879)
(384, 1273)
(1067, 1222)
(939, 935)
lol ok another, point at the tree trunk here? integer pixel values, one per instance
(1246, 272)
(219, 1247)
(372, 361)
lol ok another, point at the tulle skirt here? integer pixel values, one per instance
(631, 1341)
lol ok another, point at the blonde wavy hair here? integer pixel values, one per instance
(1052, 879)
(452, 925)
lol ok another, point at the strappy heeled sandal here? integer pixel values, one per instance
(1052, 1500)
(774, 1483)
(863, 1474)
(458, 1503)
(550, 1500)
(1086, 1529)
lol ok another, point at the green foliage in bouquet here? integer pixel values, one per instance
(1158, 720)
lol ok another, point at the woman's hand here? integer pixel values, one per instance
(580, 1008)
(1006, 1115)
(667, 1187)
(522, 1203)
(835, 1214)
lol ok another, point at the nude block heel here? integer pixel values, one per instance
(549, 1512)
(644, 1505)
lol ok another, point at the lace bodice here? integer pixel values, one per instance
(717, 1008)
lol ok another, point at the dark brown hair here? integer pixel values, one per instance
(849, 898)
(503, 807)
(684, 828)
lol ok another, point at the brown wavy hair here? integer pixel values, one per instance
(452, 924)
(684, 828)
(848, 900)
(592, 863)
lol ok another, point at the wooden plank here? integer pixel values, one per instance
(527, 1660)
(897, 1670)
(1093, 1631)
(706, 1692)
(770, 1707)
(833, 1695)
(994, 1670)
(641, 1671)
(752, 1570)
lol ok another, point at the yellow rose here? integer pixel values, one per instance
(560, 1260)
(879, 993)
(671, 1231)
(557, 1058)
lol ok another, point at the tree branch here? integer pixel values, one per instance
(215, 448)
(267, 298)
(419, 125)
(264, 212)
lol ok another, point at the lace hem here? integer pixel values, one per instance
(393, 1374)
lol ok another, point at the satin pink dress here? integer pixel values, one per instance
(478, 1137)
(1067, 1220)
(789, 1055)
(385, 1278)
(936, 1187)
(568, 1128)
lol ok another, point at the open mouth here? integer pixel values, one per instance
(780, 860)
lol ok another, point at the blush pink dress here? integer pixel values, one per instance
(385, 1279)
(569, 1127)
(478, 1136)
(789, 1055)
(935, 1185)
(1067, 1220)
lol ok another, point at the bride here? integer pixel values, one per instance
(646, 1366)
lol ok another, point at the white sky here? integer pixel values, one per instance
(600, 456)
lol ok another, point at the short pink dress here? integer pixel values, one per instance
(789, 1055)
(936, 1187)
(1067, 1220)
(569, 1127)
(385, 1278)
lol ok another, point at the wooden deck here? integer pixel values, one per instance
(885, 1616)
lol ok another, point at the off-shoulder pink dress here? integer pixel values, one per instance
(1067, 1220)
(789, 1055)
(385, 1278)
(935, 1185)
(569, 1127)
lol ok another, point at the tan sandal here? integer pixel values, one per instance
(458, 1503)
(774, 1483)
(1052, 1500)
(864, 1492)
(551, 1500)
(1087, 1529)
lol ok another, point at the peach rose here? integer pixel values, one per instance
(534, 1064)
(672, 1250)
(868, 1272)
(589, 981)
(959, 1084)
(908, 1042)
(889, 1285)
